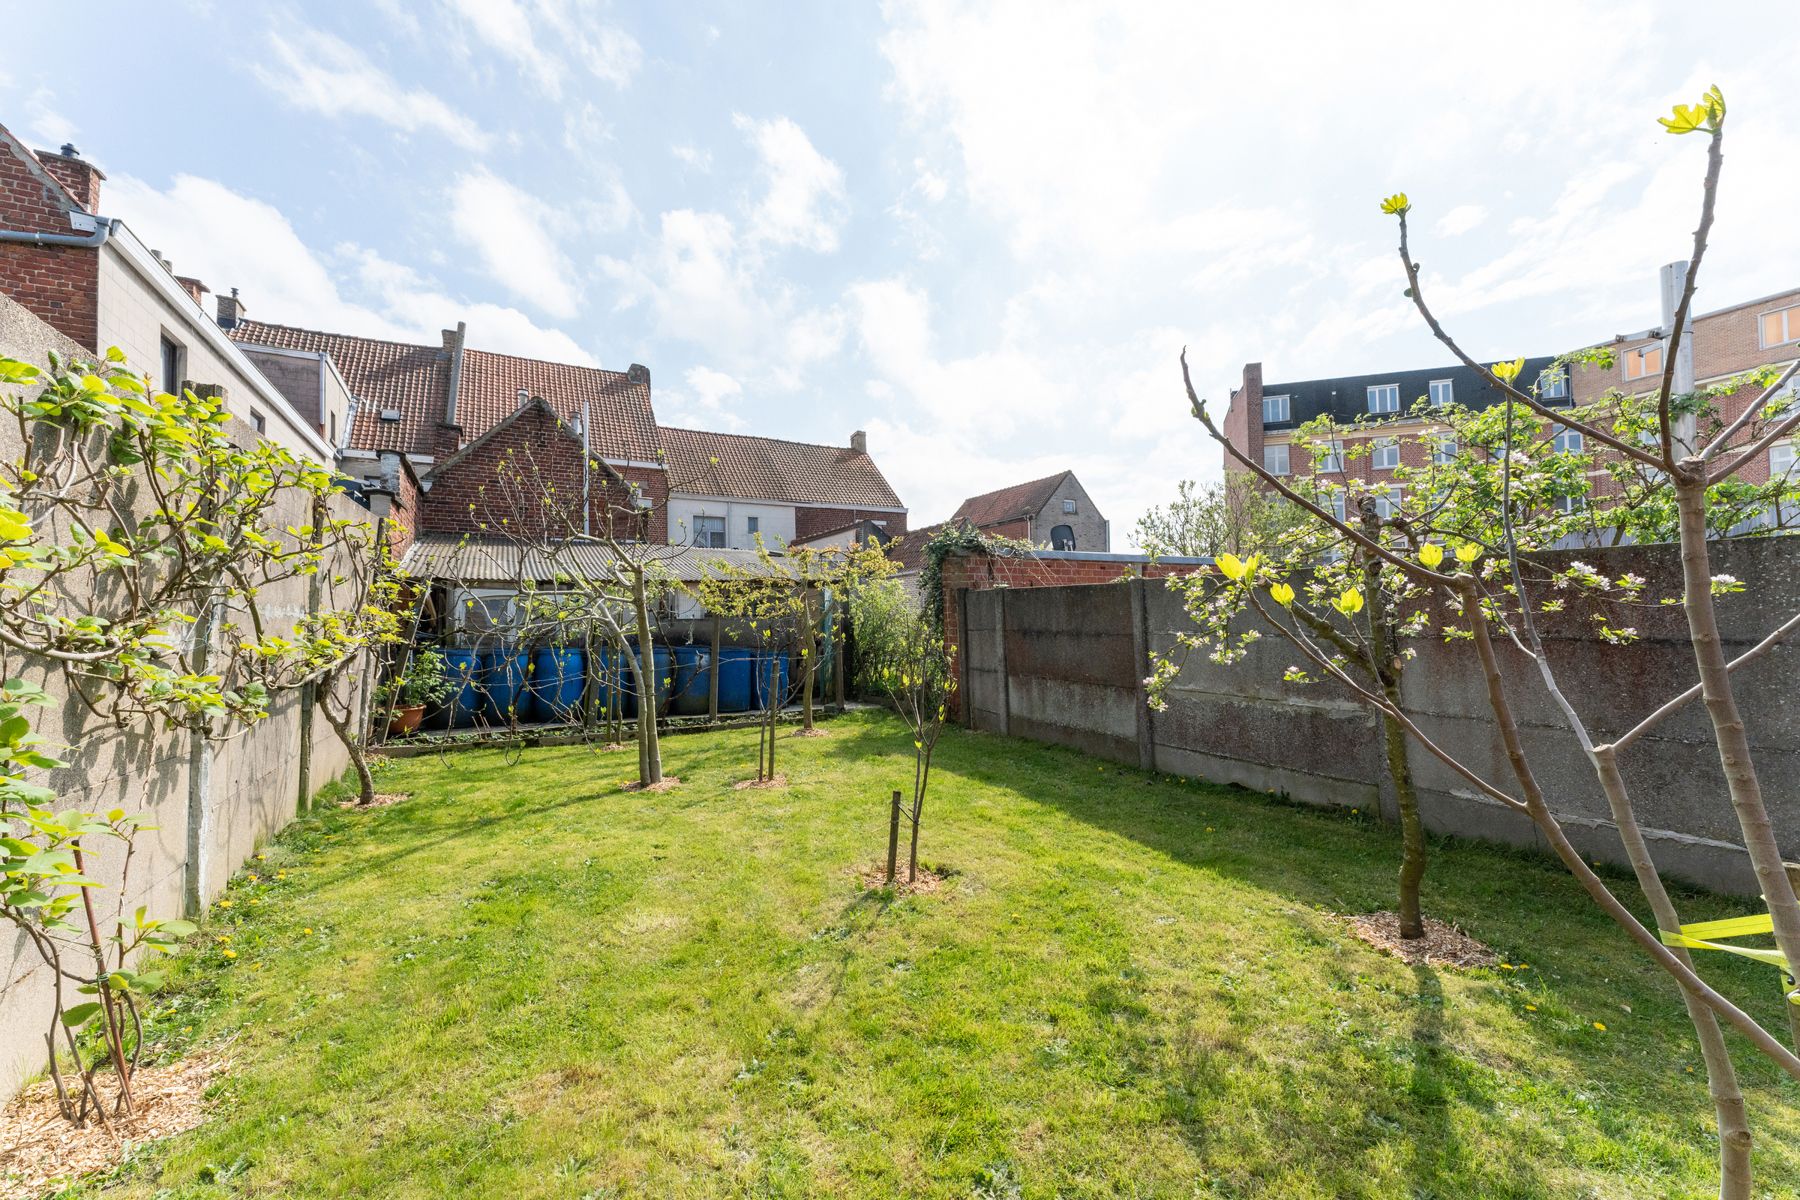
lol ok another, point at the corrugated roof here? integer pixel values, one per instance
(412, 380)
(1009, 503)
(489, 559)
(759, 468)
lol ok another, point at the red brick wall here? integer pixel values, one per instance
(505, 480)
(811, 521)
(1243, 419)
(980, 572)
(59, 284)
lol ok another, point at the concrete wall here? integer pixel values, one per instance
(776, 521)
(243, 790)
(1065, 665)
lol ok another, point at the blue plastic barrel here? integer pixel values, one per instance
(558, 678)
(662, 667)
(461, 667)
(503, 683)
(764, 675)
(735, 692)
(693, 680)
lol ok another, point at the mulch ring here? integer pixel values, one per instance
(1443, 945)
(37, 1146)
(874, 877)
(668, 784)
(815, 731)
(381, 800)
(778, 781)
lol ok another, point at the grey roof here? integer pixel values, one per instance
(475, 559)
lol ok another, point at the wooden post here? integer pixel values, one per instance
(837, 658)
(894, 837)
(712, 675)
(912, 861)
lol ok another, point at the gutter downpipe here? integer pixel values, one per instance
(89, 241)
(587, 474)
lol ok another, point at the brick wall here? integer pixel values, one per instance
(504, 479)
(811, 521)
(57, 284)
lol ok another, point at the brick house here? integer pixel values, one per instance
(1054, 511)
(90, 278)
(1261, 418)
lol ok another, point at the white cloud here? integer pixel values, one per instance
(708, 401)
(803, 202)
(1460, 220)
(317, 72)
(231, 240)
(511, 232)
(548, 39)
(692, 156)
(44, 123)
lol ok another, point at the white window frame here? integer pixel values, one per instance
(1386, 454)
(1784, 457)
(1282, 409)
(1332, 461)
(1387, 501)
(752, 526)
(1337, 505)
(1449, 396)
(1553, 384)
(1276, 452)
(1443, 449)
(1640, 352)
(715, 527)
(1383, 397)
(1068, 508)
(1565, 440)
(1790, 318)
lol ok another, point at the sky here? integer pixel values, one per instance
(982, 233)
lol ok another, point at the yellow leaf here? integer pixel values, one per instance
(1282, 594)
(1396, 204)
(1431, 554)
(1231, 566)
(1506, 372)
(1349, 603)
(1468, 552)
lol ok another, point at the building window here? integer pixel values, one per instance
(1337, 504)
(1384, 398)
(259, 421)
(1062, 538)
(334, 431)
(1275, 459)
(1387, 454)
(171, 365)
(1275, 409)
(1332, 461)
(1644, 360)
(1553, 384)
(1780, 327)
(1565, 440)
(1068, 506)
(1781, 458)
(709, 532)
(752, 526)
(1443, 392)
(1444, 450)
(1571, 504)
(1387, 503)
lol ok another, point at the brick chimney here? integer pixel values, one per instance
(638, 373)
(859, 442)
(81, 179)
(193, 287)
(231, 310)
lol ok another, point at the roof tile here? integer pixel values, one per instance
(759, 468)
(1008, 503)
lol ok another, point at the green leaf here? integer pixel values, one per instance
(81, 1014)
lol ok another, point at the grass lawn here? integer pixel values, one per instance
(526, 982)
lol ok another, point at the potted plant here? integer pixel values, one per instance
(425, 682)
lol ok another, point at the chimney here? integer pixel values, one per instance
(193, 287)
(78, 178)
(639, 373)
(231, 310)
(453, 346)
(524, 397)
(859, 442)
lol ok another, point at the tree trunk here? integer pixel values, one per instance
(810, 674)
(712, 674)
(649, 749)
(340, 724)
(1728, 729)
(893, 837)
(1386, 666)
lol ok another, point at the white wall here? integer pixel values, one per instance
(136, 309)
(777, 521)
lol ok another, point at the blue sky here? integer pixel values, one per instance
(980, 232)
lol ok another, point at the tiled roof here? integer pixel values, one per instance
(760, 468)
(415, 380)
(623, 423)
(1008, 503)
(412, 380)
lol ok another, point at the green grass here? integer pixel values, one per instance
(527, 982)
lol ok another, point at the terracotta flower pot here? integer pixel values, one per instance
(406, 720)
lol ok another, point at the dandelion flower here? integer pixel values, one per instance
(230, 953)
(1600, 1025)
